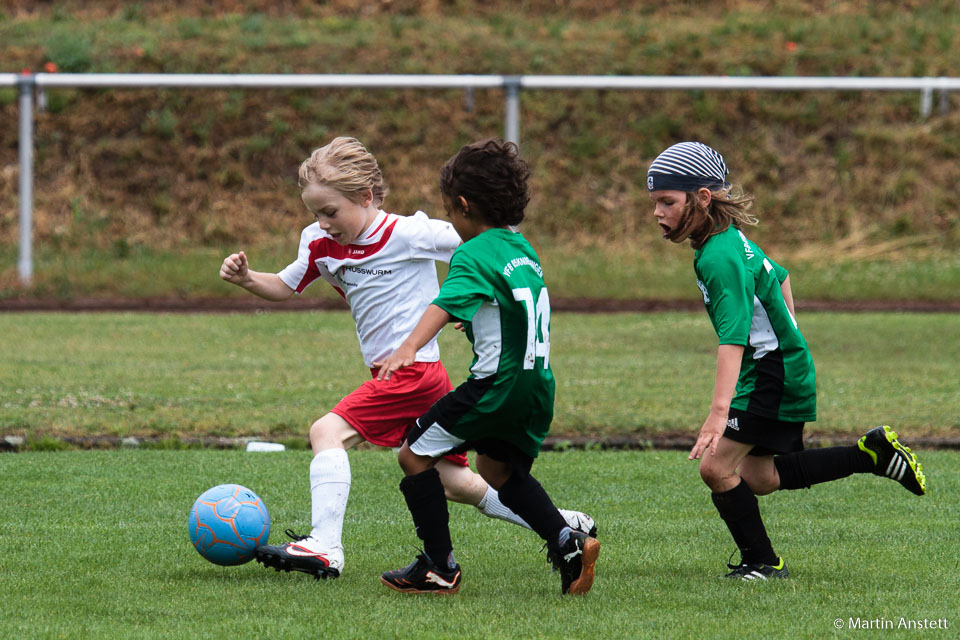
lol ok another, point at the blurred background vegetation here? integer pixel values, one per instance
(141, 192)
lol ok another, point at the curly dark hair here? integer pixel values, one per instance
(492, 177)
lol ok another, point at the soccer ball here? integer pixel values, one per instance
(227, 523)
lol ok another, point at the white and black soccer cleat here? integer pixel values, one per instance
(301, 555)
(580, 522)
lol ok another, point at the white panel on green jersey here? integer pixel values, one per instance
(762, 336)
(486, 334)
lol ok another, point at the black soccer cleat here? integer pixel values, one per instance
(893, 460)
(294, 556)
(423, 576)
(757, 571)
(575, 561)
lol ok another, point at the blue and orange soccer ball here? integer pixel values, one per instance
(227, 523)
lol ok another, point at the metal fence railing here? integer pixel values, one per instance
(30, 85)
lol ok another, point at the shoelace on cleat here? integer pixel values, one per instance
(734, 567)
(293, 536)
(551, 558)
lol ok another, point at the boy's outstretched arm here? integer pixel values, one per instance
(728, 370)
(433, 319)
(269, 286)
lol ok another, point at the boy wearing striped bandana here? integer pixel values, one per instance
(765, 387)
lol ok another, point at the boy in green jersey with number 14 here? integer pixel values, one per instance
(503, 410)
(751, 442)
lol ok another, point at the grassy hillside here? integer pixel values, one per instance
(125, 178)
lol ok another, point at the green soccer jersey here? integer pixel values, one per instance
(495, 286)
(741, 291)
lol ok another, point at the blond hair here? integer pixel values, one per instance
(699, 223)
(346, 166)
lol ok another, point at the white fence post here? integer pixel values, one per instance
(926, 101)
(26, 83)
(511, 125)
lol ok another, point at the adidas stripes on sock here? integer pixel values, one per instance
(740, 510)
(329, 491)
(802, 469)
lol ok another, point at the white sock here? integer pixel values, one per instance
(491, 507)
(329, 490)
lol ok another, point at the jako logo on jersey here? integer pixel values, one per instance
(746, 246)
(732, 424)
(360, 251)
(703, 290)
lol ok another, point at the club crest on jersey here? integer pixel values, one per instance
(703, 290)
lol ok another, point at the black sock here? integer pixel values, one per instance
(802, 469)
(523, 495)
(741, 512)
(428, 506)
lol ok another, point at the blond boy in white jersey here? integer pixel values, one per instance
(383, 266)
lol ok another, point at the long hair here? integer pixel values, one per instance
(346, 166)
(492, 177)
(699, 223)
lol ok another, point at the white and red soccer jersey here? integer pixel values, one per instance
(388, 276)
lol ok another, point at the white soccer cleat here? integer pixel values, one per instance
(580, 522)
(303, 554)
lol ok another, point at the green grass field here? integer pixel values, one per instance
(272, 374)
(95, 545)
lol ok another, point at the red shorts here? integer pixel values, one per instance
(383, 411)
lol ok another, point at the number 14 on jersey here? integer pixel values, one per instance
(538, 346)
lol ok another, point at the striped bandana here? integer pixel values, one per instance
(687, 166)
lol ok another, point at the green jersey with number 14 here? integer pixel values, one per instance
(495, 286)
(741, 290)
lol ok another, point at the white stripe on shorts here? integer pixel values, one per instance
(435, 442)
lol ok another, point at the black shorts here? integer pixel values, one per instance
(429, 438)
(503, 451)
(768, 435)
